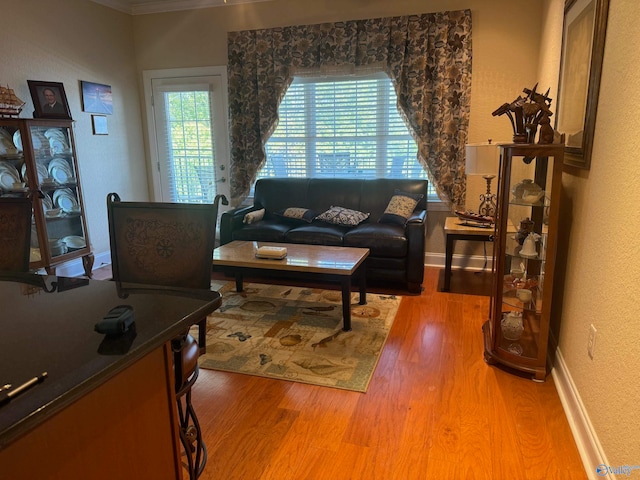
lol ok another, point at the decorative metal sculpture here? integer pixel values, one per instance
(526, 114)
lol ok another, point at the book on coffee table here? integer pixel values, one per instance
(276, 253)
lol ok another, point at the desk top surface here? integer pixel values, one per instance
(48, 326)
(456, 225)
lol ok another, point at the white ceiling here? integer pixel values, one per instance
(141, 7)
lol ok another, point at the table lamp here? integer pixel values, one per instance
(483, 159)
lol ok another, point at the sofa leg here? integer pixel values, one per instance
(414, 287)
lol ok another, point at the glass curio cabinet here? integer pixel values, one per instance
(38, 159)
(517, 332)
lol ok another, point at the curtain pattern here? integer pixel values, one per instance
(428, 58)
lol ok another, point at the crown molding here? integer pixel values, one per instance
(145, 7)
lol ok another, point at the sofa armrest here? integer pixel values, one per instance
(232, 220)
(416, 238)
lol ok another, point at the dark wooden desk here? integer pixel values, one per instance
(107, 408)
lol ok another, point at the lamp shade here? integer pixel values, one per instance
(481, 158)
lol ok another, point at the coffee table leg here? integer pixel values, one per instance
(239, 280)
(346, 304)
(363, 288)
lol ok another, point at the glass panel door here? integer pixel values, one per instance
(190, 139)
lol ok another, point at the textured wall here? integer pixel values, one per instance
(603, 259)
(505, 54)
(79, 40)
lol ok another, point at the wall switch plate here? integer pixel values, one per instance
(591, 345)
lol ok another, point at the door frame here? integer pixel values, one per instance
(153, 160)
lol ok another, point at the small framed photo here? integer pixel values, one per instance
(49, 99)
(99, 125)
(96, 98)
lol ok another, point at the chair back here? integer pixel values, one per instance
(15, 234)
(162, 244)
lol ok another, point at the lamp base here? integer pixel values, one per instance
(488, 200)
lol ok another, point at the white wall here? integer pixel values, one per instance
(79, 40)
(505, 55)
(603, 261)
(597, 247)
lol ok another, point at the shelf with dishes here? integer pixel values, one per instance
(38, 158)
(522, 292)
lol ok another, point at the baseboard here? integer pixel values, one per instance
(74, 268)
(468, 262)
(589, 447)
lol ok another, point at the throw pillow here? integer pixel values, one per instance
(400, 207)
(253, 217)
(343, 216)
(298, 214)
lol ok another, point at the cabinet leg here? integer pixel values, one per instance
(87, 263)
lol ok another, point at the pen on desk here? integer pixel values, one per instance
(7, 396)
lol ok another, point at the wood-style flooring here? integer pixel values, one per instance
(434, 410)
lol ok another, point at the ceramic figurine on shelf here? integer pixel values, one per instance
(512, 325)
(526, 227)
(529, 247)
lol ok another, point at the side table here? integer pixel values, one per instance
(453, 231)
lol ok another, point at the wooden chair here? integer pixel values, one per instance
(15, 234)
(168, 246)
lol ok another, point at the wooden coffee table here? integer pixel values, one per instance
(314, 262)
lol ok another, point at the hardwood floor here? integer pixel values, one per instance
(434, 410)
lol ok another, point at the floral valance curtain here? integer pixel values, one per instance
(427, 57)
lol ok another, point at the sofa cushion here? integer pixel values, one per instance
(264, 231)
(317, 233)
(297, 214)
(382, 239)
(400, 207)
(343, 216)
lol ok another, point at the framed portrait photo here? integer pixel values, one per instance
(49, 99)
(96, 98)
(583, 38)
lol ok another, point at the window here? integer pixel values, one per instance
(341, 127)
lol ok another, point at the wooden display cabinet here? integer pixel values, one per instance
(517, 332)
(41, 154)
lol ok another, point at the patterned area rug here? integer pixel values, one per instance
(294, 333)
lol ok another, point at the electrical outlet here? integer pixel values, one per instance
(591, 345)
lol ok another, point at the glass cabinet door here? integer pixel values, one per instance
(526, 229)
(56, 178)
(38, 159)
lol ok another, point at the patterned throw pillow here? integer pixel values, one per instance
(253, 217)
(343, 216)
(298, 214)
(400, 207)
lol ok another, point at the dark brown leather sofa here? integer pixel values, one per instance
(396, 250)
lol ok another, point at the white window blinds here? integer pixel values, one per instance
(341, 127)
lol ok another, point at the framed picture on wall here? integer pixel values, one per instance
(583, 37)
(96, 98)
(49, 99)
(99, 125)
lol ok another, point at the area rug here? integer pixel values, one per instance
(295, 334)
